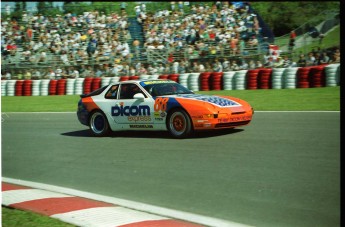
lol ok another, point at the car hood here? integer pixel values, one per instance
(219, 101)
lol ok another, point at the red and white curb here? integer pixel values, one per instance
(92, 210)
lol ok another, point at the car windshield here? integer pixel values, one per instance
(160, 89)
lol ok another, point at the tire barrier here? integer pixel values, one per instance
(193, 82)
(303, 77)
(154, 77)
(3, 87)
(61, 87)
(163, 77)
(105, 81)
(332, 73)
(205, 81)
(87, 85)
(134, 78)
(252, 79)
(264, 78)
(277, 78)
(228, 80)
(144, 77)
(216, 81)
(240, 80)
(44, 87)
(183, 79)
(114, 79)
(317, 76)
(19, 87)
(70, 86)
(78, 89)
(174, 77)
(289, 78)
(36, 85)
(124, 78)
(96, 83)
(11, 88)
(27, 88)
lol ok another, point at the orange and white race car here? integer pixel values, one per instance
(159, 105)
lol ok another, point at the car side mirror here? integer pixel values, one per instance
(139, 96)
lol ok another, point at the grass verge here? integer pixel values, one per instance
(28, 219)
(310, 99)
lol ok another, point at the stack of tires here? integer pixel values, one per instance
(228, 80)
(19, 87)
(163, 77)
(105, 81)
(96, 83)
(11, 87)
(36, 87)
(45, 87)
(174, 77)
(252, 79)
(205, 81)
(183, 79)
(87, 85)
(70, 86)
(193, 82)
(303, 77)
(277, 78)
(216, 81)
(332, 72)
(61, 87)
(144, 77)
(3, 87)
(124, 78)
(317, 76)
(114, 79)
(78, 90)
(154, 77)
(134, 78)
(240, 80)
(265, 78)
(289, 78)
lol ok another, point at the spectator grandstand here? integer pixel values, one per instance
(224, 36)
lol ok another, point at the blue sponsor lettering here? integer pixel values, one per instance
(130, 110)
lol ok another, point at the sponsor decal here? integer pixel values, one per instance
(141, 126)
(141, 110)
(215, 100)
(242, 118)
(139, 118)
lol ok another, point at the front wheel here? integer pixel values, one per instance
(179, 124)
(99, 124)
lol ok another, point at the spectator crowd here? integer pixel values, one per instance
(95, 44)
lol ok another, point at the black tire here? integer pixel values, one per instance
(179, 124)
(99, 124)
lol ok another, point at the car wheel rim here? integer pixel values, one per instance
(178, 123)
(98, 123)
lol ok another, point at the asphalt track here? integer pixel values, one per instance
(281, 170)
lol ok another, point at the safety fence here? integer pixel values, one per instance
(262, 78)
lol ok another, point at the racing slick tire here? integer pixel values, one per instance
(99, 124)
(179, 124)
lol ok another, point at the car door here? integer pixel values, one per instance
(128, 110)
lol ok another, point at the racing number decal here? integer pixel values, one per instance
(161, 104)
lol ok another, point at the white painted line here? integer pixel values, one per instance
(175, 214)
(23, 195)
(106, 217)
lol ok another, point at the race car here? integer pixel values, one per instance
(159, 105)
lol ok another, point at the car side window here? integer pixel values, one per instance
(112, 92)
(127, 91)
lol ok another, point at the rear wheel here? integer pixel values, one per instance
(99, 124)
(179, 124)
